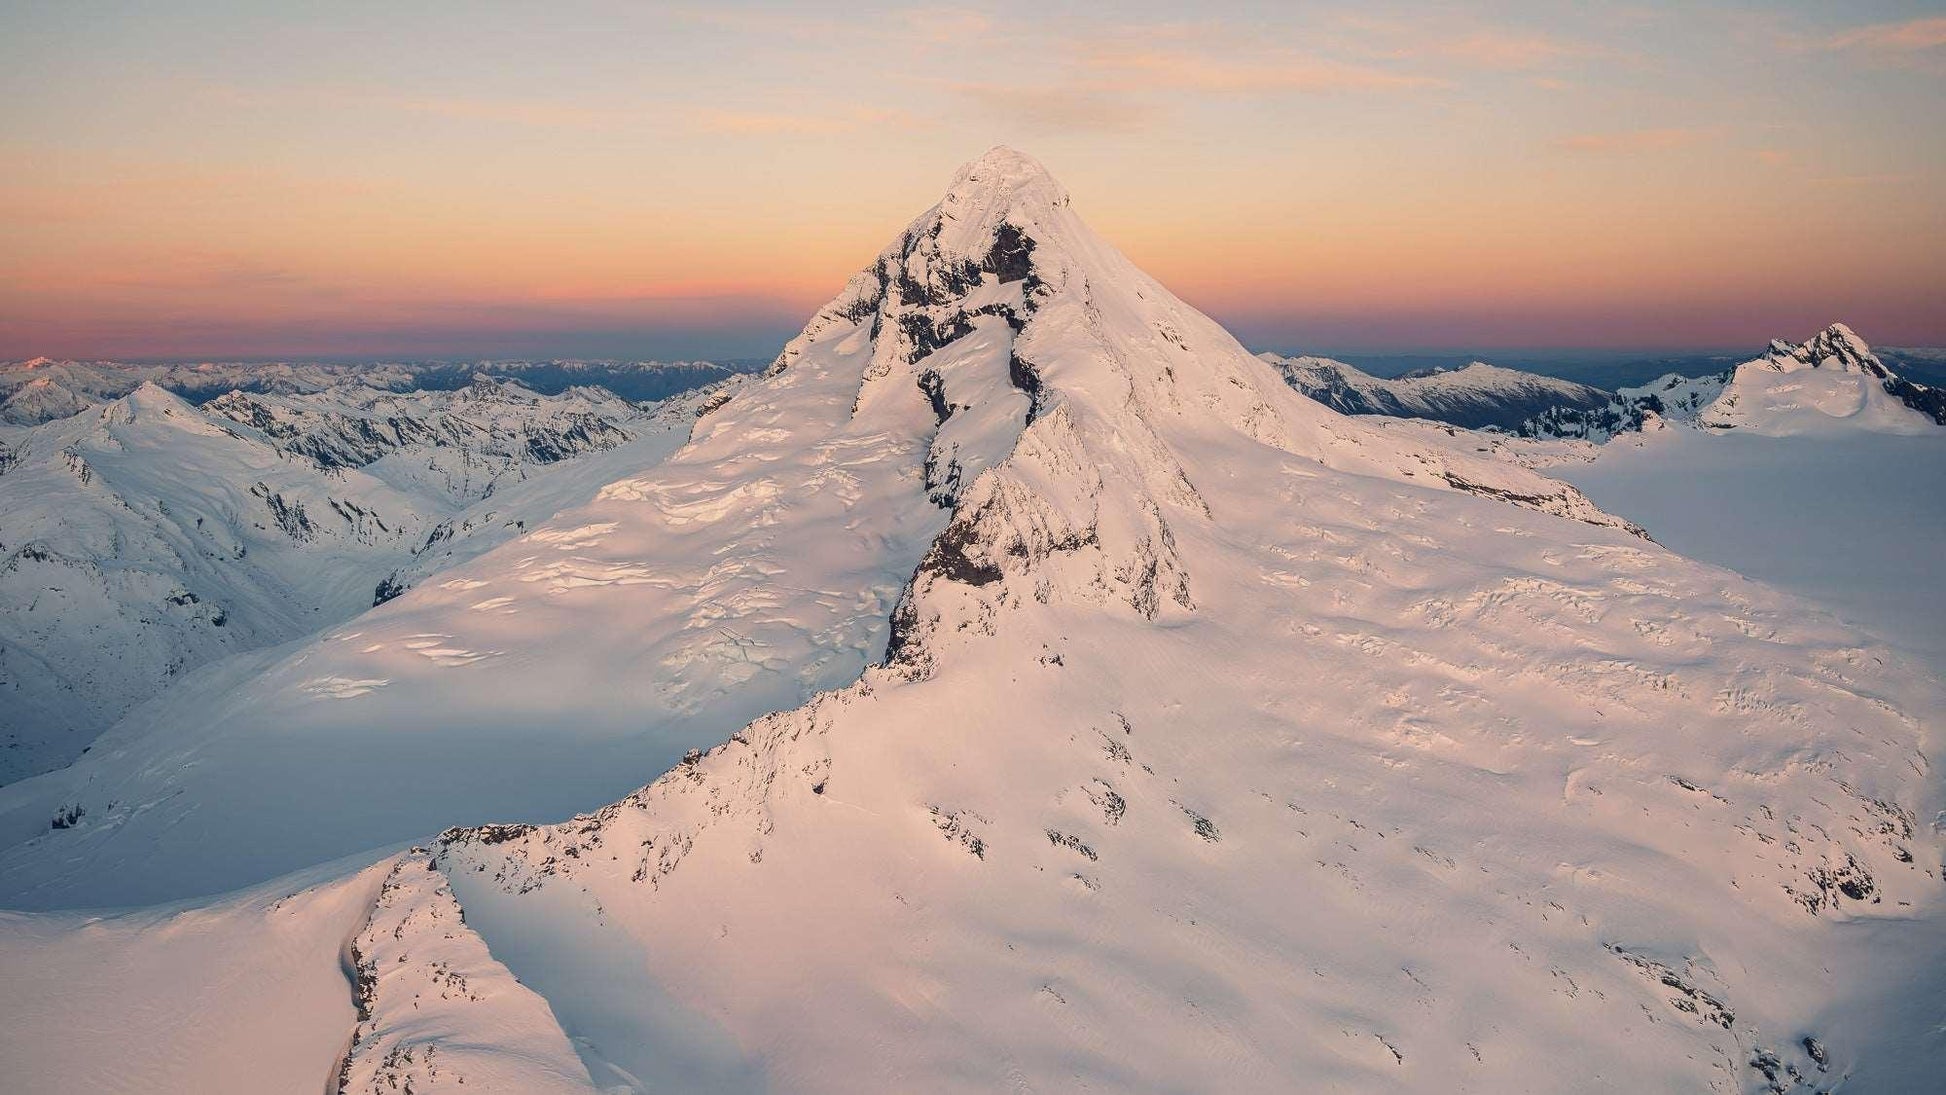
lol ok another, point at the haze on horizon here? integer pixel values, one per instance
(599, 179)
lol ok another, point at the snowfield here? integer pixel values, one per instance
(1075, 707)
(1853, 519)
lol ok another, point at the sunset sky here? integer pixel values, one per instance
(262, 179)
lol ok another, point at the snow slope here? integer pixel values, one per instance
(243, 996)
(1215, 742)
(148, 537)
(1473, 396)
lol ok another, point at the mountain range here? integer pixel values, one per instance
(42, 390)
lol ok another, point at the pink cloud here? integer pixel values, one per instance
(1631, 141)
(1911, 36)
(1183, 70)
(1507, 49)
(763, 123)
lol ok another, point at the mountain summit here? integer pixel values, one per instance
(1831, 381)
(1090, 711)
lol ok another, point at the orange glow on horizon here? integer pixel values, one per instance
(1315, 176)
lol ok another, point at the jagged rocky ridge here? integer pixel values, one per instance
(486, 429)
(1572, 807)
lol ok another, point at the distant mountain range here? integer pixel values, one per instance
(42, 389)
(1792, 387)
(1473, 396)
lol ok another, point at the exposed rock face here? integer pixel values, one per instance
(491, 427)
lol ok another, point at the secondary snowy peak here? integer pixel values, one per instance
(1837, 348)
(1671, 398)
(1473, 396)
(42, 399)
(1831, 381)
(141, 539)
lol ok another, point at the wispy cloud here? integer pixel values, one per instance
(1511, 49)
(539, 113)
(919, 26)
(1494, 48)
(1063, 108)
(1453, 41)
(1143, 72)
(767, 123)
(1129, 68)
(1632, 141)
(1911, 36)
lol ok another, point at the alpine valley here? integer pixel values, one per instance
(1019, 685)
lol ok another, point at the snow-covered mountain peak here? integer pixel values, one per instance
(1003, 185)
(150, 395)
(1049, 360)
(1836, 348)
(1830, 381)
(149, 403)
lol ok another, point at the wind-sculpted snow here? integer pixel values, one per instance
(1095, 713)
(241, 996)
